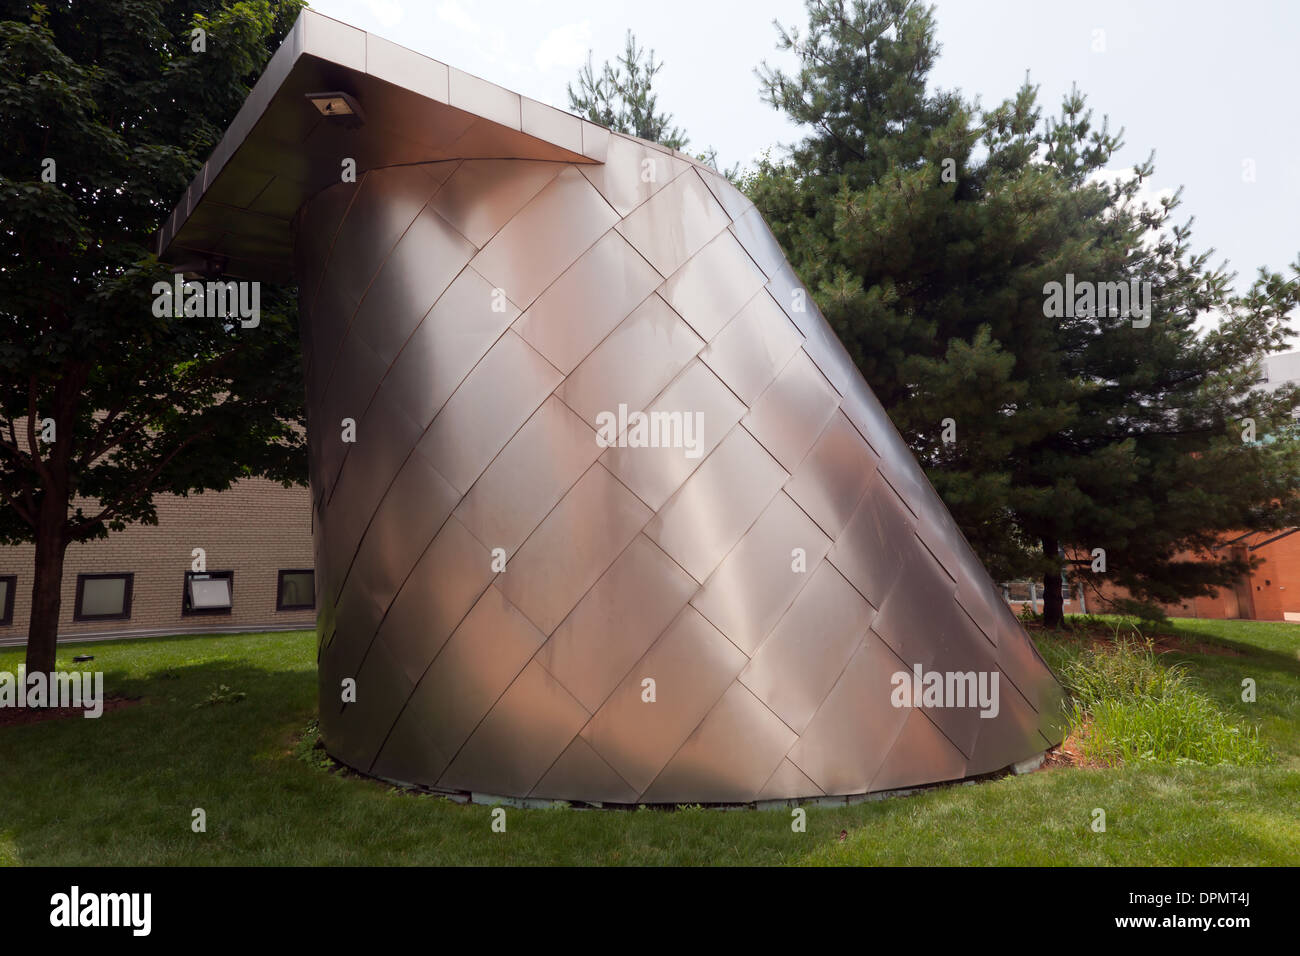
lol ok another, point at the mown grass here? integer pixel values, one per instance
(219, 717)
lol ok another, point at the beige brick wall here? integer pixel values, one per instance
(254, 529)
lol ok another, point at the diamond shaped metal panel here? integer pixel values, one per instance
(616, 621)
(455, 334)
(527, 730)
(530, 607)
(482, 195)
(710, 288)
(633, 364)
(581, 770)
(675, 223)
(631, 172)
(656, 473)
(413, 510)
(753, 347)
(847, 740)
(758, 580)
(788, 782)
(920, 754)
(713, 509)
(729, 757)
(795, 668)
(469, 674)
(529, 477)
(441, 588)
(426, 259)
(572, 548)
(514, 260)
(870, 549)
(581, 307)
(691, 667)
(789, 415)
(504, 389)
(829, 482)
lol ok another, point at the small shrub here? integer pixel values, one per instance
(1127, 706)
(222, 694)
(310, 749)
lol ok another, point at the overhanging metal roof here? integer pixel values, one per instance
(279, 151)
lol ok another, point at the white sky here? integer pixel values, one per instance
(1207, 85)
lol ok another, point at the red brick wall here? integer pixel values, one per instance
(255, 529)
(1276, 583)
(1269, 593)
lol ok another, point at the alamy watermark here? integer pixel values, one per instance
(211, 299)
(1084, 298)
(944, 689)
(74, 908)
(624, 429)
(67, 689)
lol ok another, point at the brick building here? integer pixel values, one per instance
(1269, 593)
(258, 570)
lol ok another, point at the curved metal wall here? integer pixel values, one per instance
(475, 320)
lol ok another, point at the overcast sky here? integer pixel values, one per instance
(1208, 86)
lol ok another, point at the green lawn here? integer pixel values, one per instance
(121, 789)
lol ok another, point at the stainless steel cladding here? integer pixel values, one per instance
(603, 510)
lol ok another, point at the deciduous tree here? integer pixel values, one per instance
(106, 112)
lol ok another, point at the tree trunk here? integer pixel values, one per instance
(1053, 601)
(47, 586)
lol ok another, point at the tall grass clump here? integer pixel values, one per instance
(1127, 706)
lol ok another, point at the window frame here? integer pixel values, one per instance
(129, 591)
(7, 605)
(279, 590)
(187, 611)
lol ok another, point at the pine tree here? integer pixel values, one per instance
(622, 97)
(931, 231)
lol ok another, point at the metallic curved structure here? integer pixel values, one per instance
(537, 591)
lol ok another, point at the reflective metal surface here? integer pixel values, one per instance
(578, 310)
(675, 223)
(790, 414)
(529, 477)
(752, 347)
(633, 364)
(579, 539)
(794, 669)
(538, 592)
(713, 285)
(758, 580)
(710, 512)
(496, 398)
(655, 473)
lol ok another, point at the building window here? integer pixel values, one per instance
(103, 597)
(296, 591)
(8, 584)
(209, 592)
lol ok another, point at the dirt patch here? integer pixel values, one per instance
(1066, 755)
(18, 716)
(1069, 753)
